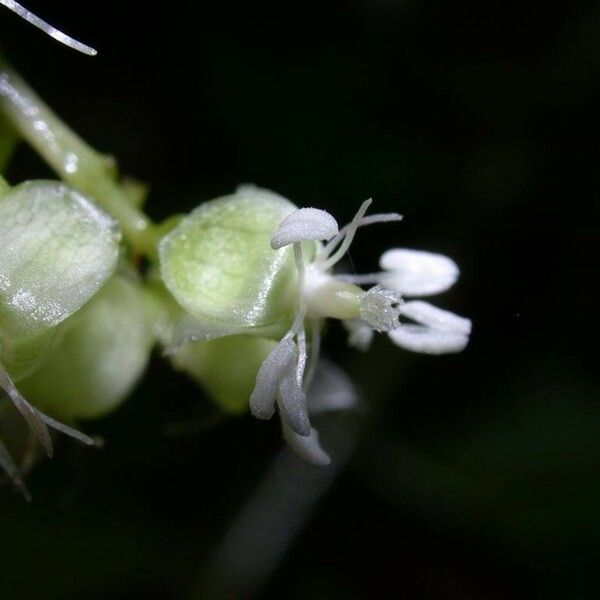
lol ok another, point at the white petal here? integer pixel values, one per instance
(331, 390)
(292, 402)
(262, 399)
(435, 318)
(437, 332)
(307, 447)
(304, 225)
(428, 341)
(417, 273)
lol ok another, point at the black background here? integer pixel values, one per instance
(475, 475)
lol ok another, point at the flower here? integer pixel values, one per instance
(415, 325)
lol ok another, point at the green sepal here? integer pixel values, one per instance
(225, 367)
(22, 356)
(219, 265)
(102, 351)
(57, 251)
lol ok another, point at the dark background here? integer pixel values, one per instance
(474, 476)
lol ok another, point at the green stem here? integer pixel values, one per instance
(73, 160)
(4, 186)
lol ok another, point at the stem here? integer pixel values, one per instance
(4, 186)
(73, 160)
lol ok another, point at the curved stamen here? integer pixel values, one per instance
(347, 233)
(12, 471)
(58, 35)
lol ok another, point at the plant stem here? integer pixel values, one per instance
(73, 160)
(4, 186)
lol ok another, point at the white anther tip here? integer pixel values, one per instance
(304, 225)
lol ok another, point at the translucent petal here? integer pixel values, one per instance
(416, 272)
(305, 225)
(219, 265)
(307, 447)
(360, 335)
(57, 250)
(189, 329)
(331, 390)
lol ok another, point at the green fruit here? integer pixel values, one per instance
(57, 251)
(219, 265)
(102, 351)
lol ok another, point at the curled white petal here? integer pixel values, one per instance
(416, 272)
(266, 389)
(331, 390)
(428, 341)
(437, 331)
(305, 225)
(436, 318)
(307, 447)
(292, 402)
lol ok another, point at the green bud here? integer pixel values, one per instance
(102, 351)
(57, 250)
(219, 265)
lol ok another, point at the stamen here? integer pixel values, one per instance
(58, 35)
(299, 260)
(70, 431)
(262, 399)
(30, 414)
(12, 471)
(292, 402)
(350, 229)
(345, 236)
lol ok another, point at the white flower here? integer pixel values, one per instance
(414, 325)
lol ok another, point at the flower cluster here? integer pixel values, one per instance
(246, 280)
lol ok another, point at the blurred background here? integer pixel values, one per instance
(471, 476)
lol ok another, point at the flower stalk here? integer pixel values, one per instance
(74, 161)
